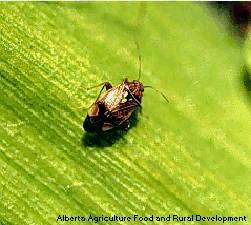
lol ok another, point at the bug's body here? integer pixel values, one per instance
(115, 107)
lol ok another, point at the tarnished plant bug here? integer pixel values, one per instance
(114, 108)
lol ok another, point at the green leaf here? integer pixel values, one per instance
(191, 156)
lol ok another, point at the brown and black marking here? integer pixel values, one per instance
(115, 107)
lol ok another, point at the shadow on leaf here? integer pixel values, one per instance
(246, 80)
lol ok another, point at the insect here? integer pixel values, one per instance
(115, 107)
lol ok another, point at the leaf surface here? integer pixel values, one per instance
(191, 156)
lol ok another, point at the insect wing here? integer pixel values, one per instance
(112, 97)
(123, 111)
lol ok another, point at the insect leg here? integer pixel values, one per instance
(100, 92)
(106, 85)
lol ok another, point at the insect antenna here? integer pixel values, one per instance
(138, 48)
(148, 86)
